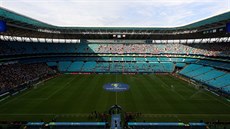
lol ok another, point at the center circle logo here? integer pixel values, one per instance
(116, 87)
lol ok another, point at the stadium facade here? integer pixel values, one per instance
(199, 51)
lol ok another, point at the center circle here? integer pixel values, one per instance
(116, 87)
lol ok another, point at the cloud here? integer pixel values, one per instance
(118, 12)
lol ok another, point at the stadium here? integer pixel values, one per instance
(114, 77)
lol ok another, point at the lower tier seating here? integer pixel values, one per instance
(92, 66)
(208, 75)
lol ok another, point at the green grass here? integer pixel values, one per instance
(74, 97)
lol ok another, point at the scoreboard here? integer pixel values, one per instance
(2, 26)
(228, 27)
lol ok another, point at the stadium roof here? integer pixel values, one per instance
(22, 22)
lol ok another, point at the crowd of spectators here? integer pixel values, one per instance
(14, 75)
(199, 49)
(206, 49)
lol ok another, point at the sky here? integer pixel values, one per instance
(141, 13)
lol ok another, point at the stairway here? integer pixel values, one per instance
(116, 121)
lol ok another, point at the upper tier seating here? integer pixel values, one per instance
(19, 48)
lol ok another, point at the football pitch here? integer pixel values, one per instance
(75, 97)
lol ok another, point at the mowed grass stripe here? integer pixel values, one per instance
(151, 95)
(92, 94)
(66, 98)
(22, 96)
(162, 103)
(55, 100)
(75, 102)
(82, 94)
(203, 97)
(180, 103)
(138, 94)
(127, 99)
(27, 100)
